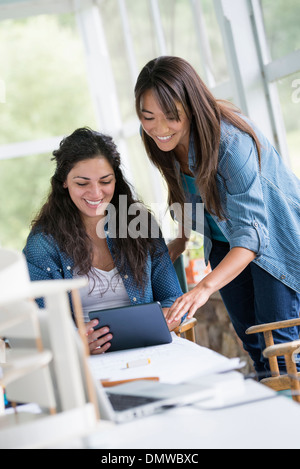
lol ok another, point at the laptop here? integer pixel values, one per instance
(136, 399)
(134, 326)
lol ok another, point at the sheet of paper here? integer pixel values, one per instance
(173, 363)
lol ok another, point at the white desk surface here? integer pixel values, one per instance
(264, 424)
(265, 420)
(181, 360)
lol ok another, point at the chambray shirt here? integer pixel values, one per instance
(46, 261)
(262, 206)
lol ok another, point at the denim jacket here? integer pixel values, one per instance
(262, 206)
(46, 261)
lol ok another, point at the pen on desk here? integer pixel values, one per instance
(141, 362)
(109, 384)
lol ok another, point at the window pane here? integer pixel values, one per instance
(281, 20)
(219, 66)
(42, 64)
(24, 184)
(289, 95)
(179, 31)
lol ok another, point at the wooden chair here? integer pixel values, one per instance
(287, 350)
(187, 328)
(277, 381)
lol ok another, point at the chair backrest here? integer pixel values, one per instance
(277, 380)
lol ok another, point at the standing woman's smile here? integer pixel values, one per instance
(168, 131)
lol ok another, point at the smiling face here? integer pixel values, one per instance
(91, 186)
(167, 132)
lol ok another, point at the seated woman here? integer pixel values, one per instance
(86, 228)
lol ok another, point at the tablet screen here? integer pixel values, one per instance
(134, 326)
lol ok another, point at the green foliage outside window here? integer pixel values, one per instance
(47, 95)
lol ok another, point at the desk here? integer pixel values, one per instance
(265, 420)
(254, 424)
(172, 363)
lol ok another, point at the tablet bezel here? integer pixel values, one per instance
(134, 326)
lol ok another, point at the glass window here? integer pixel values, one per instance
(281, 20)
(218, 60)
(289, 95)
(180, 31)
(47, 95)
(24, 184)
(180, 36)
(43, 67)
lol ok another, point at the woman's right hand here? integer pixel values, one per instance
(98, 340)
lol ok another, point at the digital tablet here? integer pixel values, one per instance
(134, 326)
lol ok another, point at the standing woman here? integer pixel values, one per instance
(70, 236)
(208, 152)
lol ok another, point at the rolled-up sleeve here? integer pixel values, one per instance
(243, 195)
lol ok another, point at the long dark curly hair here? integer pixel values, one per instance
(60, 218)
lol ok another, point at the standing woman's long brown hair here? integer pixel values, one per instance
(172, 79)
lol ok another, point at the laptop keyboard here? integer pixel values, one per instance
(124, 402)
